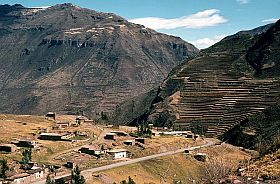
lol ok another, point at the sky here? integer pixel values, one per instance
(200, 22)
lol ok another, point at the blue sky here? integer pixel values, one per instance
(201, 22)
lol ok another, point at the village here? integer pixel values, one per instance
(35, 147)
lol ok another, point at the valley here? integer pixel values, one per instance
(90, 97)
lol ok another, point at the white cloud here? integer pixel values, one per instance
(269, 21)
(201, 19)
(242, 1)
(207, 42)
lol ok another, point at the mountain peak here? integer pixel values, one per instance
(66, 6)
(6, 8)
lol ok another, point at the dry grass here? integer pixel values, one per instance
(267, 167)
(21, 126)
(161, 170)
(166, 169)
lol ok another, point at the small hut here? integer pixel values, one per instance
(50, 116)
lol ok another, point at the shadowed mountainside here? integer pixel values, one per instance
(68, 59)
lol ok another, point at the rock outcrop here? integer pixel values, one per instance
(68, 59)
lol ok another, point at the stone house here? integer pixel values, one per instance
(80, 119)
(26, 143)
(28, 177)
(92, 150)
(56, 136)
(50, 136)
(190, 136)
(120, 133)
(118, 153)
(110, 136)
(9, 148)
(36, 174)
(129, 142)
(141, 140)
(63, 124)
(50, 116)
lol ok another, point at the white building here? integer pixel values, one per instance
(118, 153)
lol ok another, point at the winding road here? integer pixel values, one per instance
(132, 161)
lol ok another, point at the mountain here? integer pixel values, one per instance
(240, 41)
(69, 59)
(228, 83)
(262, 130)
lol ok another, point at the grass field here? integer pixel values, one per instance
(162, 170)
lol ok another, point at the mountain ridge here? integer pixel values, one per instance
(70, 59)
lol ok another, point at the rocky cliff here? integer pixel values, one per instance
(68, 59)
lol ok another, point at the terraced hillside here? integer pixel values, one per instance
(217, 90)
(218, 98)
(68, 59)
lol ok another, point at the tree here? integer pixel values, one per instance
(4, 169)
(130, 181)
(144, 130)
(76, 176)
(60, 181)
(123, 182)
(49, 180)
(104, 116)
(26, 157)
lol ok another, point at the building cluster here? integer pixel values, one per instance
(116, 144)
(186, 134)
(60, 131)
(102, 151)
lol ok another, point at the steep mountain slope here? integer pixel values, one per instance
(216, 91)
(263, 56)
(68, 59)
(262, 130)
